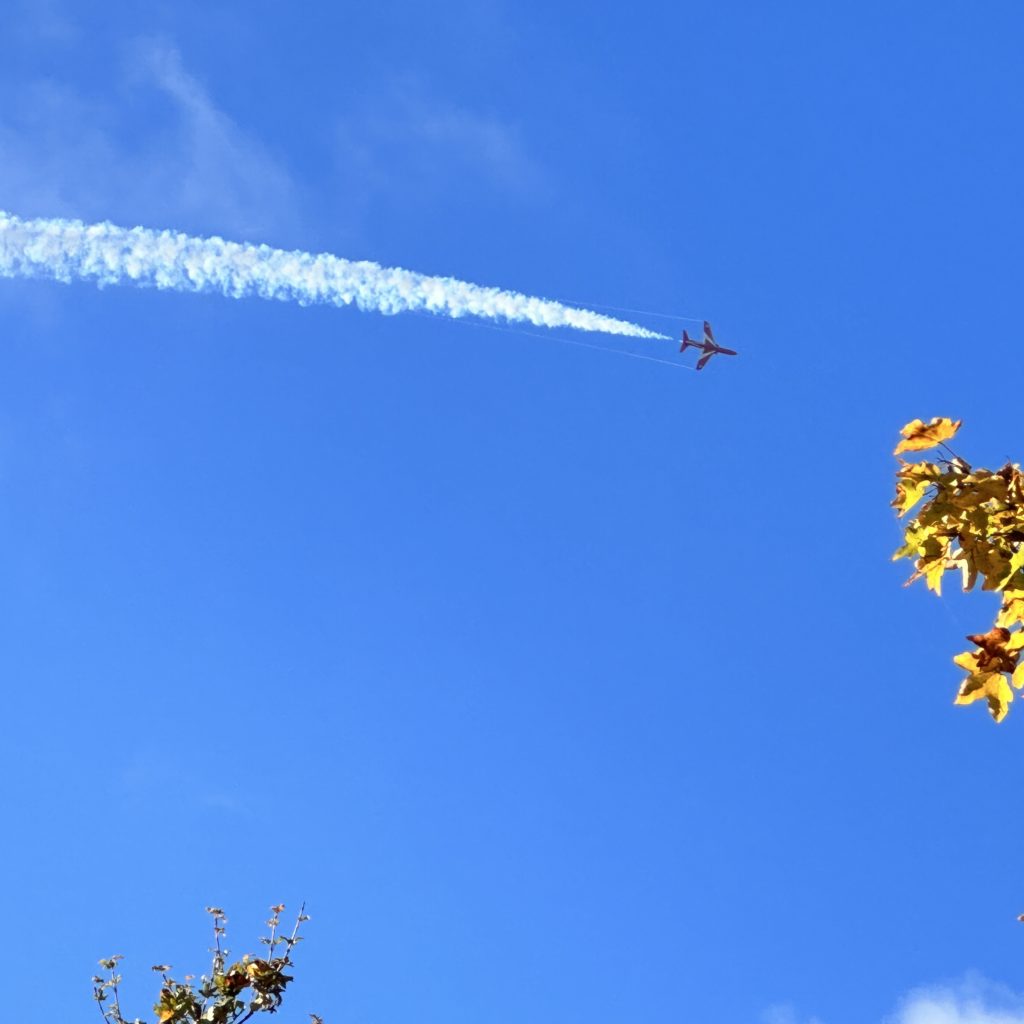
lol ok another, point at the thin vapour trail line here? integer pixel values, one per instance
(69, 250)
(643, 312)
(570, 341)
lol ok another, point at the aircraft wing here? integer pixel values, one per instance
(708, 333)
(703, 361)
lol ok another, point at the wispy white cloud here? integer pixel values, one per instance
(115, 150)
(971, 1001)
(974, 1001)
(404, 140)
(219, 172)
(445, 132)
(786, 1014)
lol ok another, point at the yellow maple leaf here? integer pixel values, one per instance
(1015, 482)
(994, 566)
(976, 488)
(1016, 563)
(1012, 611)
(933, 576)
(967, 660)
(912, 481)
(968, 570)
(990, 685)
(919, 436)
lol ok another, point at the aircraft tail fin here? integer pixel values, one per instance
(687, 342)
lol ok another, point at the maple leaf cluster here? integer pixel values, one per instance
(228, 994)
(972, 520)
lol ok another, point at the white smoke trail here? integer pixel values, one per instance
(68, 250)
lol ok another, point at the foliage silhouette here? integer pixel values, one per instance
(971, 520)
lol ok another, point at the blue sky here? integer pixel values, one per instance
(563, 686)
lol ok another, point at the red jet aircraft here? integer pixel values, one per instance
(707, 346)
